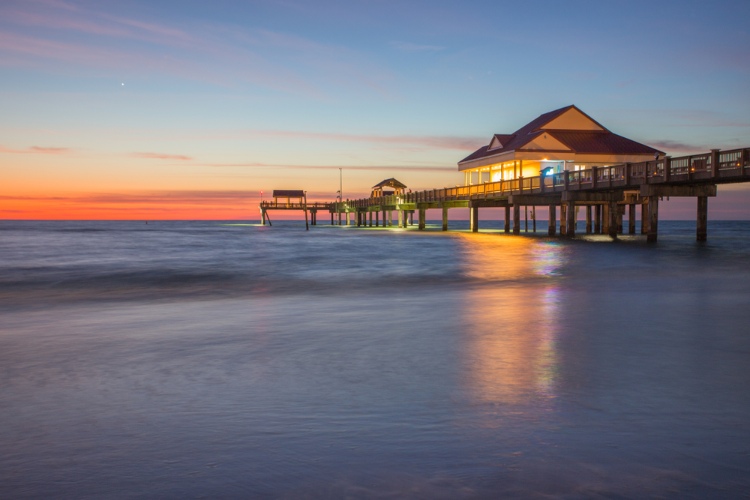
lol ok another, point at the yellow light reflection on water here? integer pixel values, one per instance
(510, 318)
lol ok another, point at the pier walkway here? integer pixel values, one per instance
(604, 192)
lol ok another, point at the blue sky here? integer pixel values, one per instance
(140, 102)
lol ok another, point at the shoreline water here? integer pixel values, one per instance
(196, 359)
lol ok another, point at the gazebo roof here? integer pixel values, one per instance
(394, 183)
(288, 193)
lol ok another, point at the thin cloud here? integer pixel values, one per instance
(438, 142)
(668, 145)
(375, 168)
(148, 197)
(161, 156)
(217, 54)
(45, 150)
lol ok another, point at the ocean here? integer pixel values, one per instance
(226, 360)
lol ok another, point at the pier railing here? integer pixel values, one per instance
(714, 167)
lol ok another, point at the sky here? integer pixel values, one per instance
(190, 109)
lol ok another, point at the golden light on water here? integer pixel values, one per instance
(511, 318)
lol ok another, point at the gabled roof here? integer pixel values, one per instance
(568, 127)
(394, 183)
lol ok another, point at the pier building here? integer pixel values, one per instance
(566, 139)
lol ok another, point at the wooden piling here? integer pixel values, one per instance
(570, 225)
(614, 214)
(552, 227)
(653, 219)
(702, 222)
(506, 227)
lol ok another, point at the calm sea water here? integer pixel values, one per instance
(206, 359)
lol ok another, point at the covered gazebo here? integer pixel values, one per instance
(382, 188)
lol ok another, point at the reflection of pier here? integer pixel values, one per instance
(605, 193)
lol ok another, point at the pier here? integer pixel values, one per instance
(606, 194)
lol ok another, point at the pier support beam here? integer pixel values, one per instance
(474, 218)
(445, 218)
(563, 220)
(631, 218)
(588, 219)
(422, 218)
(644, 216)
(570, 225)
(552, 227)
(653, 219)
(702, 222)
(516, 218)
(506, 227)
(597, 219)
(614, 217)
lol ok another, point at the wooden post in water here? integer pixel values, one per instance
(597, 219)
(605, 218)
(631, 218)
(307, 224)
(588, 219)
(506, 228)
(702, 223)
(614, 214)
(526, 218)
(377, 218)
(445, 218)
(516, 218)
(570, 225)
(422, 217)
(620, 212)
(644, 216)
(552, 227)
(533, 218)
(563, 220)
(474, 217)
(653, 219)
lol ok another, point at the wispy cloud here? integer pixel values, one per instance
(64, 35)
(375, 168)
(44, 150)
(149, 197)
(681, 147)
(430, 141)
(161, 156)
